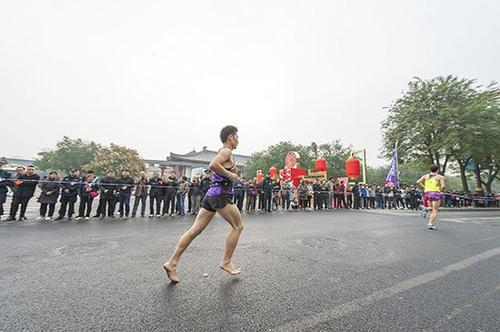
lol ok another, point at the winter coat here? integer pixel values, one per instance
(155, 190)
(50, 191)
(71, 184)
(25, 185)
(141, 187)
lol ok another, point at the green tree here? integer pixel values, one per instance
(417, 120)
(376, 175)
(116, 158)
(409, 173)
(68, 153)
(472, 134)
(334, 153)
(444, 121)
(274, 155)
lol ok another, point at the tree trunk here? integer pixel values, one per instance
(492, 174)
(443, 170)
(477, 173)
(463, 175)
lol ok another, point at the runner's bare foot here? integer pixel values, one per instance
(171, 272)
(229, 268)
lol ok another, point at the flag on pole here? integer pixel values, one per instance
(392, 177)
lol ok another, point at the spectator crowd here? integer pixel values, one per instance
(167, 196)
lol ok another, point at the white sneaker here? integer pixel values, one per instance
(87, 218)
(424, 212)
(78, 218)
(431, 227)
(39, 218)
(48, 218)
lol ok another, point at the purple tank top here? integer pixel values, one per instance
(219, 186)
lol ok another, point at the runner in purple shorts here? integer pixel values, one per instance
(433, 183)
(219, 198)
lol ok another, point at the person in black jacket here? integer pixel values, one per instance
(69, 191)
(316, 194)
(50, 188)
(24, 188)
(5, 183)
(267, 188)
(238, 193)
(87, 191)
(140, 194)
(125, 185)
(260, 195)
(171, 185)
(107, 186)
(195, 191)
(205, 183)
(356, 193)
(155, 195)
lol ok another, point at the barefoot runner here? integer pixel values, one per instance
(218, 199)
(433, 184)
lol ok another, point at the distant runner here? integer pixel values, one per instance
(433, 184)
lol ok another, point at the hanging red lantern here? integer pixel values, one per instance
(352, 168)
(320, 164)
(272, 172)
(259, 176)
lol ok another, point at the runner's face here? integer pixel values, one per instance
(234, 140)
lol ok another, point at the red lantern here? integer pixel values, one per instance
(260, 176)
(320, 164)
(352, 168)
(272, 172)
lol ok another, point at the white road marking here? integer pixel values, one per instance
(358, 304)
(460, 221)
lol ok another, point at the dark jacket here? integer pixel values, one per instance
(50, 191)
(70, 185)
(107, 186)
(205, 184)
(238, 187)
(356, 190)
(125, 184)
(194, 189)
(171, 185)
(25, 185)
(317, 188)
(155, 190)
(267, 185)
(5, 182)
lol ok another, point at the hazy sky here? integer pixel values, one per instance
(165, 76)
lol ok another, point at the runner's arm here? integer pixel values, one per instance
(442, 184)
(420, 181)
(216, 165)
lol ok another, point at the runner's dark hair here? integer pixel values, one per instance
(226, 132)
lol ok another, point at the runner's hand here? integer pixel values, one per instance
(232, 177)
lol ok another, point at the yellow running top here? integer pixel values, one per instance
(432, 184)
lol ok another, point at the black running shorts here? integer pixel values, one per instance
(214, 203)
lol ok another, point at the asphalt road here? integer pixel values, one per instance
(309, 271)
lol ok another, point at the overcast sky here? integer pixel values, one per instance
(165, 76)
